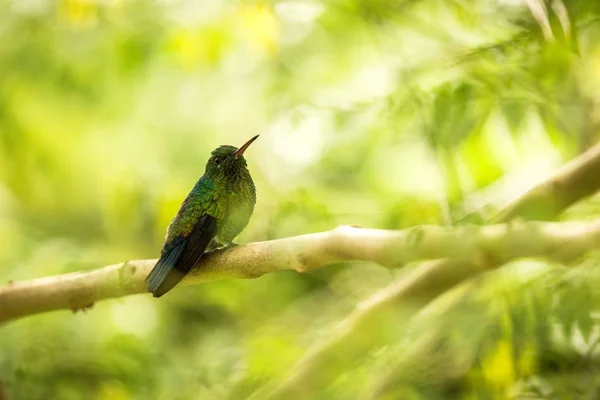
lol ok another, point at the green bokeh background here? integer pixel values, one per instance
(384, 114)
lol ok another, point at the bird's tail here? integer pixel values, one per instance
(164, 276)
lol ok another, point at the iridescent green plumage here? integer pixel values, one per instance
(217, 209)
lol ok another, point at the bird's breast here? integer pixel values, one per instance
(239, 207)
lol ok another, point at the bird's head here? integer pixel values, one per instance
(226, 162)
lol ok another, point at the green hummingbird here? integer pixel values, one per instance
(212, 215)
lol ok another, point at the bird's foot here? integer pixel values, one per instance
(229, 246)
(226, 247)
(214, 246)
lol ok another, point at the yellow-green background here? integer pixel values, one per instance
(385, 114)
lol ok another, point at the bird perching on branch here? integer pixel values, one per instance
(217, 209)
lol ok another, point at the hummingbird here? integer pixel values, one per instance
(216, 210)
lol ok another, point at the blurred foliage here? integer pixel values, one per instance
(524, 331)
(377, 113)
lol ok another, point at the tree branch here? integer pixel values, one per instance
(489, 245)
(81, 289)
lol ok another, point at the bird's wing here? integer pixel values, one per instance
(181, 256)
(202, 200)
(186, 242)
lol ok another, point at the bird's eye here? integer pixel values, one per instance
(217, 161)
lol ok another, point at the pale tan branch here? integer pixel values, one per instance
(483, 246)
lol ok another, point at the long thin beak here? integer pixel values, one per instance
(242, 149)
